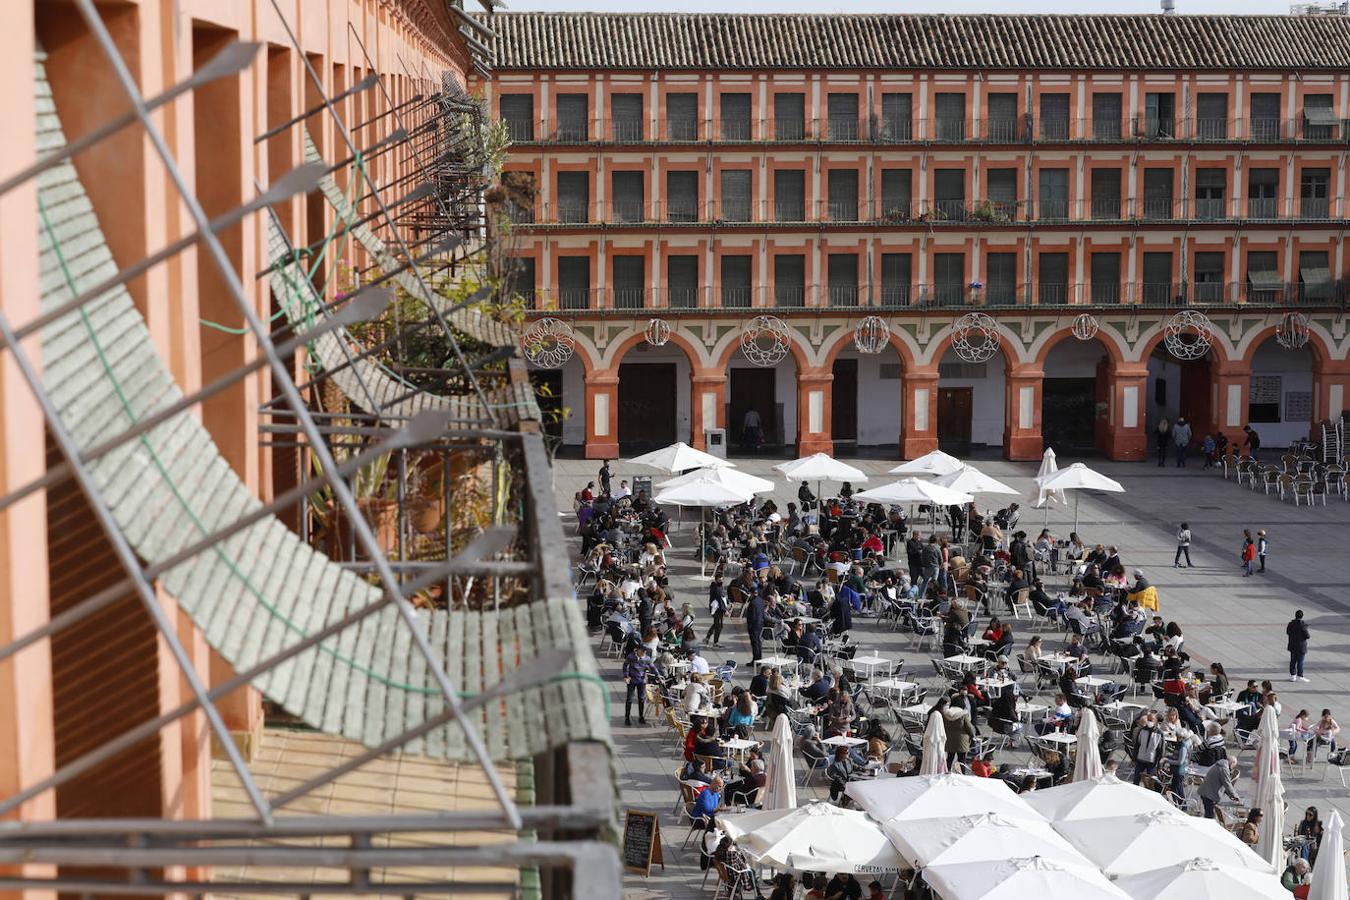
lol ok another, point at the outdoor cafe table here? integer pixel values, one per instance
(870, 663)
(1228, 709)
(966, 661)
(776, 661)
(916, 711)
(738, 747)
(1028, 710)
(994, 684)
(1091, 681)
(1058, 660)
(895, 685)
(840, 740)
(1060, 737)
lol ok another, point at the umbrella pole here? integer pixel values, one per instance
(702, 545)
(1075, 510)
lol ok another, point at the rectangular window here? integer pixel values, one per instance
(789, 279)
(1210, 187)
(629, 282)
(574, 282)
(1054, 117)
(682, 117)
(949, 279)
(949, 193)
(1319, 117)
(736, 282)
(1158, 193)
(682, 196)
(1314, 276)
(573, 117)
(1107, 117)
(789, 195)
(682, 281)
(1106, 277)
(843, 195)
(1211, 117)
(1208, 277)
(1157, 279)
(518, 114)
(843, 279)
(524, 281)
(951, 117)
(1263, 277)
(896, 194)
(1000, 279)
(735, 117)
(1001, 192)
(1159, 116)
(1313, 185)
(789, 117)
(1002, 124)
(842, 110)
(627, 111)
(1263, 398)
(627, 196)
(736, 200)
(574, 196)
(1266, 117)
(896, 278)
(1054, 194)
(1052, 288)
(1106, 193)
(1263, 188)
(897, 117)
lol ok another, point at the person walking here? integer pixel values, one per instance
(754, 623)
(1262, 546)
(718, 606)
(1297, 633)
(1252, 441)
(1162, 439)
(1181, 437)
(1183, 547)
(1248, 552)
(636, 667)
(606, 476)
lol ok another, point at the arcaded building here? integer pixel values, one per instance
(703, 170)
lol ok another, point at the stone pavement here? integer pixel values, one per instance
(1225, 617)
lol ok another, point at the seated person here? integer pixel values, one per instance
(840, 772)
(759, 685)
(707, 744)
(953, 639)
(742, 791)
(999, 634)
(819, 688)
(973, 692)
(1059, 716)
(708, 802)
(810, 747)
(1040, 600)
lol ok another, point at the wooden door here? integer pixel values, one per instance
(844, 401)
(753, 388)
(953, 416)
(646, 407)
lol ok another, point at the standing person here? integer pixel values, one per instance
(718, 606)
(1207, 450)
(605, 476)
(1297, 633)
(1262, 547)
(636, 668)
(1183, 547)
(1181, 436)
(1218, 783)
(754, 623)
(1161, 438)
(1148, 747)
(752, 428)
(1252, 441)
(1248, 552)
(914, 557)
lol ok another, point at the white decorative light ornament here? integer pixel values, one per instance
(1292, 332)
(1085, 326)
(975, 337)
(658, 332)
(764, 341)
(1188, 334)
(548, 343)
(871, 335)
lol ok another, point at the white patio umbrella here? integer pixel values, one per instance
(819, 467)
(1203, 879)
(680, 457)
(703, 492)
(938, 796)
(818, 837)
(1043, 498)
(1088, 763)
(934, 463)
(972, 481)
(1095, 798)
(1328, 878)
(1127, 845)
(1017, 879)
(733, 478)
(1078, 477)
(1269, 791)
(780, 782)
(914, 490)
(973, 839)
(934, 759)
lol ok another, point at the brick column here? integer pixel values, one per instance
(813, 411)
(918, 408)
(1124, 437)
(1022, 413)
(707, 403)
(1230, 387)
(602, 414)
(1331, 391)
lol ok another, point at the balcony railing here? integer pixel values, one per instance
(842, 294)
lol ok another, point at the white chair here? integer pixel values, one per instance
(1021, 605)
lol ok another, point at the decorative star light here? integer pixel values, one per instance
(764, 341)
(548, 343)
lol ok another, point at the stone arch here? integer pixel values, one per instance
(615, 353)
(1106, 337)
(730, 344)
(1319, 343)
(897, 339)
(1010, 347)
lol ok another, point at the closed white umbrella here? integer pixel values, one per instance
(1203, 879)
(1043, 497)
(971, 480)
(733, 478)
(934, 463)
(1328, 877)
(780, 783)
(938, 796)
(1269, 791)
(934, 758)
(1018, 879)
(680, 457)
(704, 492)
(1088, 763)
(818, 837)
(1095, 798)
(1127, 845)
(914, 490)
(979, 838)
(1078, 477)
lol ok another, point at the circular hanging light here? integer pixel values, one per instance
(975, 337)
(871, 335)
(548, 343)
(1292, 332)
(764, 341)
(1188, 334)
(1085, 326)
(658, 332)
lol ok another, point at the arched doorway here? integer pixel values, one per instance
(1280, 401)
(865, 398)
(971, 400)
(1075, 396)
(561, 395)
(771, 391)
(653, 402)
(1178, 388)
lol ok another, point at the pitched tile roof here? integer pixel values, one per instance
(782, 41)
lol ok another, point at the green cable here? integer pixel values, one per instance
(230, 563)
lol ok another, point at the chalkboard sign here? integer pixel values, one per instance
(641, 842)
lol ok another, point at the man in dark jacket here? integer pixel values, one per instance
(841, 614)
(1297, 633)
(636, 668)
(914, 556)
(754, 623)
(1020, 554)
